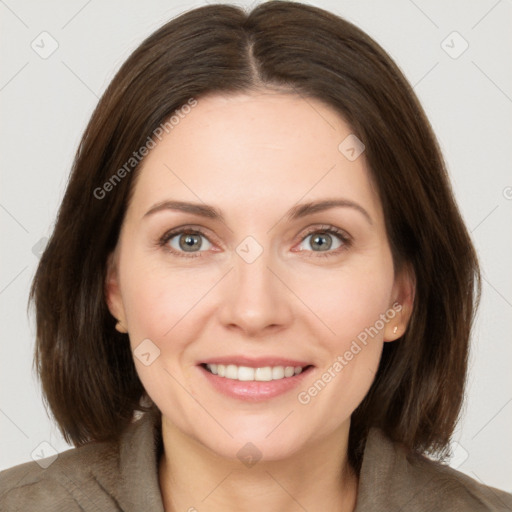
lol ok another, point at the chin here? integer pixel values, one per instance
(252, 450)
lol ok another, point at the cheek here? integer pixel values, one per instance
(349, 301)
(162, 306)
(352, 306)
(157, 296)
(167, 306)
(351, 356)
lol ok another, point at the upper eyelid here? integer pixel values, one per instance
(171, 233)
(326, 228)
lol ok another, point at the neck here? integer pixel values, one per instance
(318, 477)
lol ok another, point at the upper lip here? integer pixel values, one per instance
(256, 362)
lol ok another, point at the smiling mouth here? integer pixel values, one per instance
(248, 374)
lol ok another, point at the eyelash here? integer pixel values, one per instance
(331, 230)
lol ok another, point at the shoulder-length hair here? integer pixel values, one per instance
(86, 368)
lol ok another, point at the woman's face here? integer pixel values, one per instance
(263, 282)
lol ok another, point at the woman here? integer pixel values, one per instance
(259, 291)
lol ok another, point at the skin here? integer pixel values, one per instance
(255, 156)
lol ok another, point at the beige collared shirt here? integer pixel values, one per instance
(106, 477)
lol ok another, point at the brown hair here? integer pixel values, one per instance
(86, 367)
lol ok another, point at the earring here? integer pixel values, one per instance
(395, 329)
(121, 328)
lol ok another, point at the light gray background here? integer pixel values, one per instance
(46, 103)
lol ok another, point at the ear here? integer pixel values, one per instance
(113, 291)
(404, 291)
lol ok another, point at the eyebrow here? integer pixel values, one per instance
(203, 210)
(296, 212)
(302, 210)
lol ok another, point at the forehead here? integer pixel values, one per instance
(254, 152)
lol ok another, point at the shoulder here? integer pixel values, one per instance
(397, 478)
(106, 477)
(442, 484)
(73, 481)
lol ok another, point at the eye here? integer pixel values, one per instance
(328, 240)
(186, 242)
(190, 243)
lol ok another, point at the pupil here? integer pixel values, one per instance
(317, 240)
(188, 242)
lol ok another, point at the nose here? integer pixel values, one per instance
(255, 299)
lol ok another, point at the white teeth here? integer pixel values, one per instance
(231, 372)
(278, 372)
(263, 374)
(289, 371)
(246, 373)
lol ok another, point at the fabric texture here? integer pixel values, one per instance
(108, 477)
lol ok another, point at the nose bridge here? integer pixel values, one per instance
(256, 298)
(254, 278)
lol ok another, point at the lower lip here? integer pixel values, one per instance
(254, 390)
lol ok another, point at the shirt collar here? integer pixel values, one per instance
(139, 457)
(141, 448)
